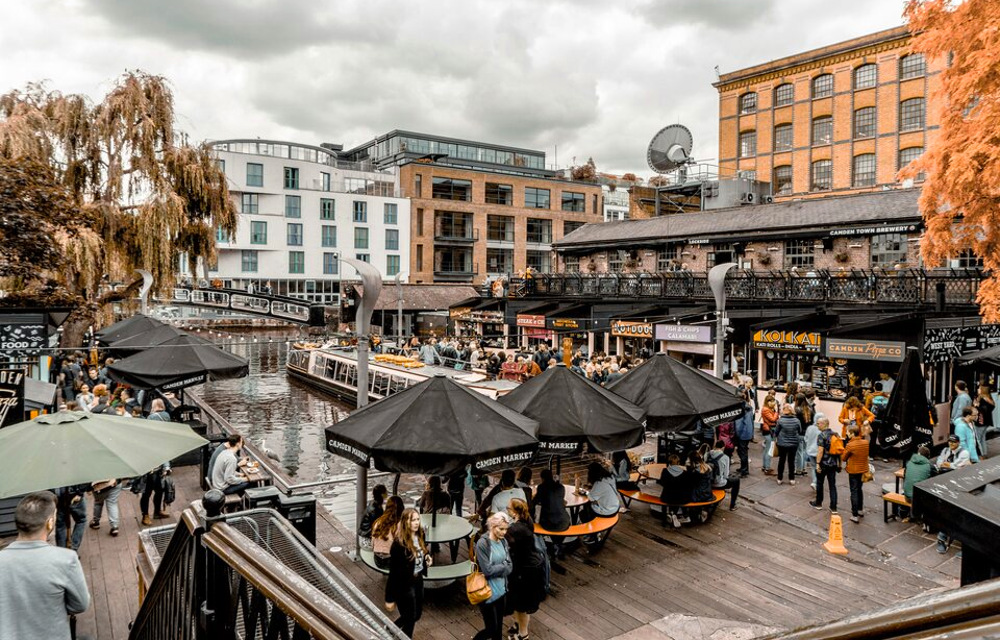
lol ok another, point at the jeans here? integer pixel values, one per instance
(239, 487)
(827, 475)
(733, 484)
(800, 456)
(456, 502)
(492, 620)
(743, 451)
(768, 439)
(857, 495)
(786, 455)
(154, 489)
(811, 463)
(411, 606)
(78, 514)
(109, 497)
(981, 440)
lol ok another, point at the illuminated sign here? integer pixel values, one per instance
(786, 340)
(626, 329)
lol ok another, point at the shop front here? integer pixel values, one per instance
(691, 344)
(633, 338)
(531, 329)
(573, 329)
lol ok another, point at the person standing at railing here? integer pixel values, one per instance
(40, 585)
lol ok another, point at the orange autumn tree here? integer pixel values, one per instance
(960, 201)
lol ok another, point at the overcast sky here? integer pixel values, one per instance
(589, 77)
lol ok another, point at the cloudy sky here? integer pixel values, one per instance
(589, 77)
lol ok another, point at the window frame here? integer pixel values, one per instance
(828, 175)
(293, 206)
(327, 209)
(800, 253)
(255, 236)
(291, 178)
(543, 231)
(359, 211)
(825, 91)
(294, 235)
(878, 247)
(748, 144)
(362, 238)
(783, 101)
(538, 195)
(328, 235)
(576, 201)
(392, 239)
(870, 175)
(445, 188)
(249, 257)
(505, 225)
(916, 124)
(250, 203)
(330, 263)
(821, 121)
(864, 117)
(783, 128)
(296, 262)
(776, 189)
(499, 193)
(748, 103)
(258, 177)
(390, 213)
(390, 269)
(915, 69)
(865, 76)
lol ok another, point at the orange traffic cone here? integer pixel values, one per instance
(835, 541)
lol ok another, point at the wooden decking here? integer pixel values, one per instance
(750, 565)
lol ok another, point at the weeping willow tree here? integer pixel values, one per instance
(136, 192)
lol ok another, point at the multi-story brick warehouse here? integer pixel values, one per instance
(480, 210)
(840, 119)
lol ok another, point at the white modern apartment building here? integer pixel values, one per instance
(302, 209)
(616, 202)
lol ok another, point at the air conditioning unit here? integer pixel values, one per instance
(766, 199)
(747, 197)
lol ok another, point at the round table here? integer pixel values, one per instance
(651, 471)
(449, 528)
(574, 501)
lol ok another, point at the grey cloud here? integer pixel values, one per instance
(720, 14)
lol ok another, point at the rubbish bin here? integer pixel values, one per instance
(261, 497)
(300, 510)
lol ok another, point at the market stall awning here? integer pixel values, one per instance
(886, 323)
(38, 394)
(989, 356)
(815, 321)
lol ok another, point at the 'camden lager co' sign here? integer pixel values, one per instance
(779, 340)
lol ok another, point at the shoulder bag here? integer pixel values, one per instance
(476, 586)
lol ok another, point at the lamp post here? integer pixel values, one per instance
(371, 280)
(717, 282)
(399, 311)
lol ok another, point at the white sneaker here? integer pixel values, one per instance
(791, 482)
(813, 485)
(675, 520)
(780, 482)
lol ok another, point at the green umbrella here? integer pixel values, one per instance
(74, 447)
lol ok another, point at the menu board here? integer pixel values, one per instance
(819, 376)
(837, 377)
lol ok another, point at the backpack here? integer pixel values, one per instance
(836, 446)
(879, 405)
(716, 469)
(169, 490)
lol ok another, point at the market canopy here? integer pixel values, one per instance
(435, 427)
(134, 326)
(573, 412)
(990, 356)
(906, 423)
(180, 362)
(677, 396)
(142, 341)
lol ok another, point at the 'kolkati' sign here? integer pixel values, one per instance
(881, 350)
(786, 340)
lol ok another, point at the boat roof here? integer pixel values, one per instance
(428, 370)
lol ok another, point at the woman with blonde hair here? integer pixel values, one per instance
(493, 558)
(408, 563)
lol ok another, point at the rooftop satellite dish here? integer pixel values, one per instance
(670, 148)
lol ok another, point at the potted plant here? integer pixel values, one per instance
(764, 259)
(592, 266)
(842, 257)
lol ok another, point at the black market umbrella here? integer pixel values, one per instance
(435, 427)
(676, 396)
(906, 422)
(134, 326)
(573, 412)
(180, 362)
(142, 341)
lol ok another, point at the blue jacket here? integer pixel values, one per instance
(966, 437)
(744, 424)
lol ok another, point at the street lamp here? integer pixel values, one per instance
(717, 282)
(399, 311)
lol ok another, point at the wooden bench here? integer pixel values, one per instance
(594, 527)
(435, 573)
(718, 495)
(896, 500)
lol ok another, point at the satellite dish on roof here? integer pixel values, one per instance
(670, 148)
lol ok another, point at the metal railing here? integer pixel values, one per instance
(870, 287)
(251, 575)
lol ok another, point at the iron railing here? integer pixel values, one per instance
(869, 287)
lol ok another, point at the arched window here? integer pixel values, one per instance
(864, 122)
(865, 76)
(912, 66)
(822, 86)
(864, 170)
(748, 103)
(748, 144)
(908, 155)
(911, 114)
(784, 94)
(822, 175)
(782, 181)
(822, 130)
(783, 137)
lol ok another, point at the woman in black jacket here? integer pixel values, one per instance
(408, 563)
(527, 580)
(786, 436)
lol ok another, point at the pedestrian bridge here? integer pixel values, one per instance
(258, 304)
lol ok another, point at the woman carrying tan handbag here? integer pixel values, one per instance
(493, 558)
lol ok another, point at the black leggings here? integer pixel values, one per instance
(492, 620)
(786, 454)
(411, 606)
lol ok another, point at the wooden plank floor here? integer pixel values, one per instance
(747, 565)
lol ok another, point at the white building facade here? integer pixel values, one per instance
(616, 203)
(301, 211)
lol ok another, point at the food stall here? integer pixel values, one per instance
(689, 343)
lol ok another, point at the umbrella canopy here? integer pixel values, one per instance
(435, 427)
(572, 412)
(906, 423)
(136, 325)
(140, 342)
(176, 363)
(676, 396)
(74, 447)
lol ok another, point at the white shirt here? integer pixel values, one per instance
(503, 498)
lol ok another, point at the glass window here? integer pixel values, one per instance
(912, 66)
(419, 259)
(822, 130)
(888, 249)
(328, 234)
(969, 260)
(500, 228)
(864, 170)
(418, 185)
(249, 203)
(864, 122)
(540, 261)
(499, 193)
(539, 231)
(748, 103)
(822, 86)
(220, 164)
(616, 260)
(571, 225)
(783, 137)
(324, 181)
(865, 76)
(667, 258)
(248, 261)
(911, 114)
(391, 265)
(392, 239)
(327, 209)
(258, 232)
(782, 181)
(391, 213)
(451, 189)
(330, 265)
(748, 144)
(721, 253)
(221, 235)
(360, 238)
(293, 206)
(296, 262)
(571, 264)
(822, 175)
(573, 202)
(294, 235)
(291, 178)
(360, 211)
(536, 198)
(908, 155)
(784, 95)
(255, 174)
(799, 253)
(363, 257)
(420, 222)
(453, 224)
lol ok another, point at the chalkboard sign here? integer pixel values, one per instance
(820, 380)
(11, 396)
(839, 378)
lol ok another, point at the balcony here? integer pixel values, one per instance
(454, 236)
